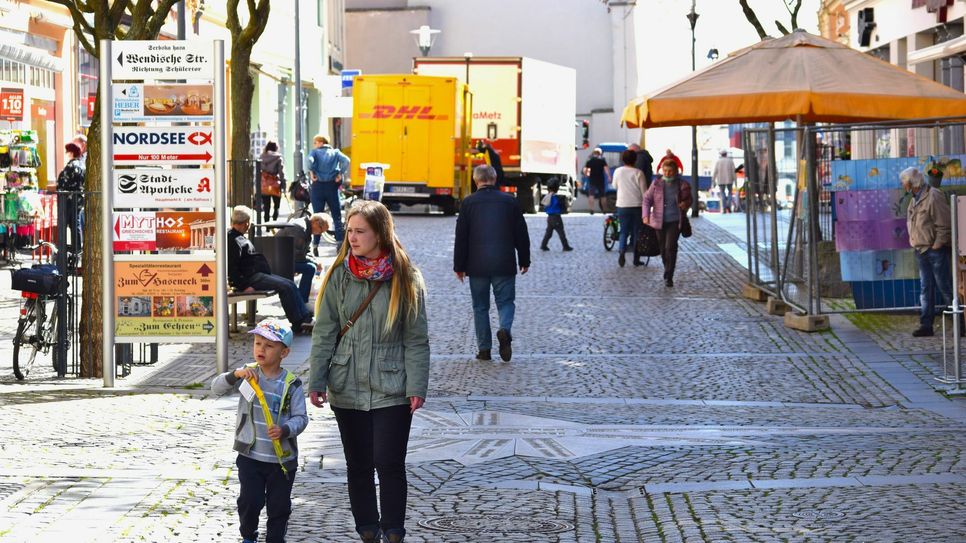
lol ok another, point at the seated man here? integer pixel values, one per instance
(248, 271)
(301, 231)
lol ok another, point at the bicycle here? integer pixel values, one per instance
(37, 326)
(612, 231)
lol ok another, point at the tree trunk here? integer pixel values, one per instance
(242, 90)
(91, 337)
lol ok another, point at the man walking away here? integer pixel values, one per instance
(643, 162)
(491, 241)
(930, 234)
(553, 204)
(724, 177)
(329, 167)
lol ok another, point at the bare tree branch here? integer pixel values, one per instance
(153, 28)
(781, 28)
(117, 11)
(753, 19)
(798, 7)
(76, 15)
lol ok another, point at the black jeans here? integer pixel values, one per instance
(267, 206)
(668, 238)
(262, 484)
(555, 224)
(375, 441)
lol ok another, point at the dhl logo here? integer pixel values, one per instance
(403, 112)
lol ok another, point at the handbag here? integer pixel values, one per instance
(647, 243)
(355, 316)
(685, 226)
(299, 190)
(271, 186)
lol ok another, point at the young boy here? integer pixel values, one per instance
(264, 469)
(553, 205)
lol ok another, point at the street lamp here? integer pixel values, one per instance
(693, 19)
(712, 54)
(468, 57)
(425, 37)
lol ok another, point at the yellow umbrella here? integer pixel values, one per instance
(800, 77)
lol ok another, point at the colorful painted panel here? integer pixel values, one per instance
(871, 235)
(870, 205)
(883, 173)
(878, 265)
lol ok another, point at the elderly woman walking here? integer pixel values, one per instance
(370, 360)
(665, 209)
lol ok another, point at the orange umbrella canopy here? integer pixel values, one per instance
(801, 77)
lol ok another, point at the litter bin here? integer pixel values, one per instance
(375, 180)
(280, 253)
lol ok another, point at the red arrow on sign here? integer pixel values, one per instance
(145, 157)
(204, 270)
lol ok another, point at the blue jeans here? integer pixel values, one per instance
(288, 294)
(326, 193)
(630, 218)
(935, 271)
(725, 198)
(306, 271)
(504, 292)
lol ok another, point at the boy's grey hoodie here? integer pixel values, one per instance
(292, 416)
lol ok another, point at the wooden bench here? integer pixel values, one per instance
(250, 297)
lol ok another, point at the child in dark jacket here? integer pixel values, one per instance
(271, 413)
(553, 205)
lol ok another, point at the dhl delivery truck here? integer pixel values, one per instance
(525, 109)
(420, 126)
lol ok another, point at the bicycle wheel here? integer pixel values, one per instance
(25, 341)
(610, 234)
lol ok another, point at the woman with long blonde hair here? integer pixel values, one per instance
(370, 361)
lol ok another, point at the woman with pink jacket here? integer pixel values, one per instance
(665, 208)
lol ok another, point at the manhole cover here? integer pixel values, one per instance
(477, 524)
(819, 515)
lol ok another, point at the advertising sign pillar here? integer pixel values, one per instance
(221, 202)
(107, 215)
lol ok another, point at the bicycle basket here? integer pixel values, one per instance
(40, 279)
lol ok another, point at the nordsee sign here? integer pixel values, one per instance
(161, 60)
(182, 188)
(163, 145)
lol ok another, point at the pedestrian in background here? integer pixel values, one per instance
(70, 182)
(629, 182)
(80, 140)
(329, 169)
(596, 169)
(370, 361)
(491, 239)
(669, 155)
(644, 162)
(553, 204)
(930, 234)
(272, 182)
(301, 231)
(723, 175)
(665, 209)
(271, 414)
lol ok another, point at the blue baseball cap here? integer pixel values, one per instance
(275, 330)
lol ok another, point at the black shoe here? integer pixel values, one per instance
(483, 355)
(542, 248)
(505, 350)
(620, 260)
(394, 536)
(566, 249)
(371, 535)
(638, 263)
(669, 282)
(922, 332)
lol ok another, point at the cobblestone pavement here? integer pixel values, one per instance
(630, 412)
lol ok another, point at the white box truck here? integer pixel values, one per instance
(525, 109)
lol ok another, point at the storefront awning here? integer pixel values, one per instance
(937, 52)
(31, 56)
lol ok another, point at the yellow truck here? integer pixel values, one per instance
(420, 126)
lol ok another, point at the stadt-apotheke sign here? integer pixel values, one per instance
(182, 189)
(163, 145)
(161, 60)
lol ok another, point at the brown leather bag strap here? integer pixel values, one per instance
(358, 313)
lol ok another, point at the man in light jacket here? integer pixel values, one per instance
(930, 234)
(724, 177)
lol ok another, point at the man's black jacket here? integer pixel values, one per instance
(491, 235)
(243, 261)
